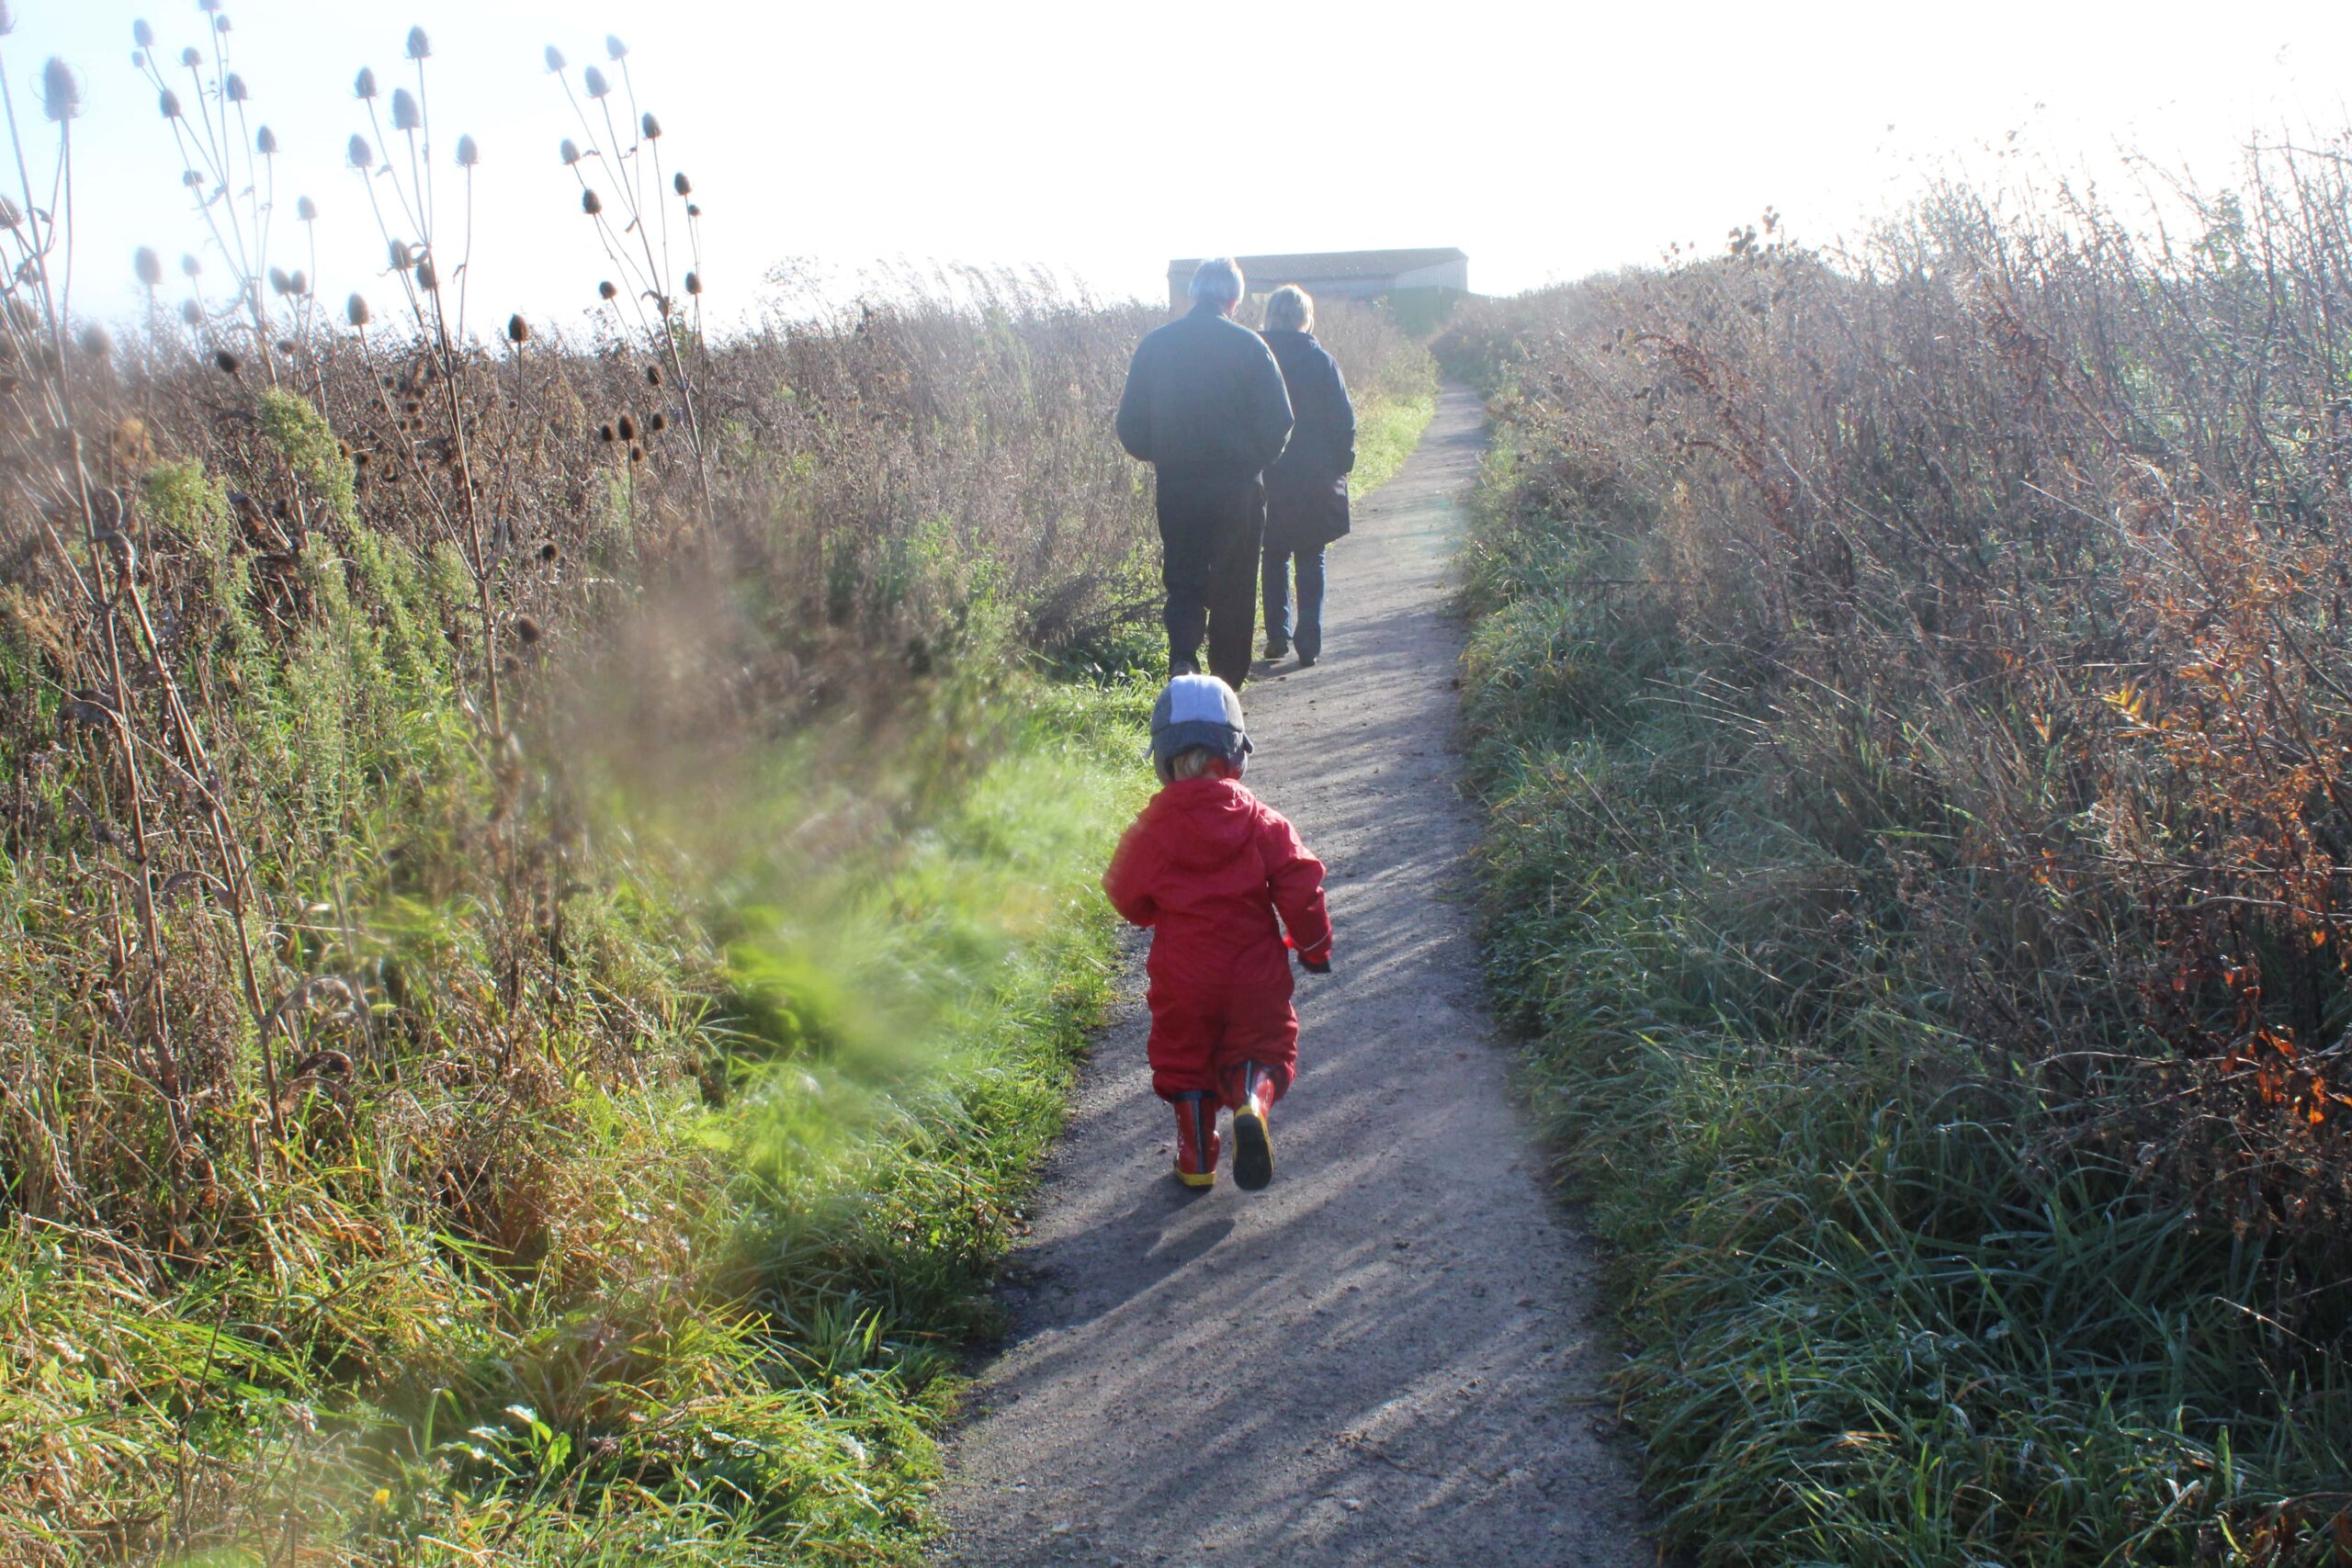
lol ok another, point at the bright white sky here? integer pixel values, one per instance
(1547, 139)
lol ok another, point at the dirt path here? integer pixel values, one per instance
(1384, 1358)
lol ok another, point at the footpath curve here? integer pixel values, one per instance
(1385, 1358)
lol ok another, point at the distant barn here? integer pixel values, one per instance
(1340, 275)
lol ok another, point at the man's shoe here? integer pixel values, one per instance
(1198, 1145)
(1183, 664)
(1253, 1138)
(1276, 647)
(1307, 660)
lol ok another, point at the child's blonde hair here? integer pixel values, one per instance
(1191, 763)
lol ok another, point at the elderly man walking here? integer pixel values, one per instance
(1205, 406)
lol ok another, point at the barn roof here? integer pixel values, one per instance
(1329, 264)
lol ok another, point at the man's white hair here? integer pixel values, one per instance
(1218, 279)
(1290, 309)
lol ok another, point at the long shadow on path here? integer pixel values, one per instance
(1384, 1358)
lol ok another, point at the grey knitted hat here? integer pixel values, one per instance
(1198, 710)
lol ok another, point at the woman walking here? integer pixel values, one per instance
(1306, 490)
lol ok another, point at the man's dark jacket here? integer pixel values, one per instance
(1205, 399)
(1306, 491)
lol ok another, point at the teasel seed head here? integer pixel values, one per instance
(363, 85)
(569, 152)
(605, 433)
(226, 361)
(95, 342)
(594, 80)
(281, 281)
(285, 347)
(398, 255)
(265, 143)
(469, 152)
(301, 282)
(207, 7)
(60, 90)
(190, 178)
(550, 550)
(606, 290)
(650, 127)
(306, 211)
(234, 89)
(517, 329)
(591, 203)
(355, 310)
(142, 34)
(694, 283)
(659, 423)
(636, 454)
(554, 57)
(220, 24)
(426, 280)
(405, 116)
(694, 210)
(191, 57)
(169, 102)
(149, 265)
(682, 186)
(627, 428)
(653, 375)
(526, 630)
(191, 312)
(419, 46)
(190, 266)
(357, 149)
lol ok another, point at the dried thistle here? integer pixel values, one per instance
(191, 57)
(360, 154)
(405, 114)
(398, 255)
(594, 80)
(570, 150)
(301, 282)
(650, 127)
(591, 203)
(606, 290)
(627, 428)
(517, 329)
(419, 46)
(468, 153)
(605, 433)
(306, 211)
(191, 312)
(550, 550)
(143, 35)
(658, 423)
(265, 143)
(226, 361)
(653, 375)
(190, 266)
(281, 281)
(147, 263)
(355, 310)
(694, 283)
(554, 57)
(169, 102)
(526, 630)
(682, 186)
(234, 89)
(614, 48)
(426, 280)
(61, 91)
(363, 86)
(95, 342)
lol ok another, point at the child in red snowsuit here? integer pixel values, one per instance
(1207, 866)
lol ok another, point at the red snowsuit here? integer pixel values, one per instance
(1207, 866)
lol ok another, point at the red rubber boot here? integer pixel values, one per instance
(1198, 1145)
(1253, 1137)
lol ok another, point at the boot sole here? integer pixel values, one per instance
(1253, 1152)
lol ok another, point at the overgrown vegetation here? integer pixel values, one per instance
(549, 886)
(1911, 691)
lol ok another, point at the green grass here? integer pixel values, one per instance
(1387, 429)
(1877, 1311)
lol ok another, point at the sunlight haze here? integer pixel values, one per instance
(1547, 142)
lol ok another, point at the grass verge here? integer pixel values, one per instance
(1877, 1312)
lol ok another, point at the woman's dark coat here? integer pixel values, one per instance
(1306, 490)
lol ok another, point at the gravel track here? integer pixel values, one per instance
(1387, 1357)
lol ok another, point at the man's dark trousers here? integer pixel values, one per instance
(1211, 523)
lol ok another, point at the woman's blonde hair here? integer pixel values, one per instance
(1290, 309)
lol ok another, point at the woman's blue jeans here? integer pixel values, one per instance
(1306, 632)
